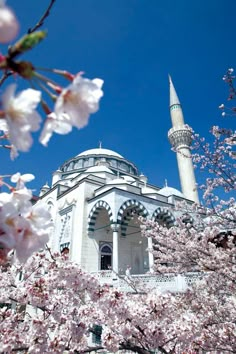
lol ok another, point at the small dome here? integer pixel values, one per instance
(44, 189)
(99, 168)
(100, 151)
(168, 191)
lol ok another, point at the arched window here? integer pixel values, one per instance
(51, 209)
(105, 257)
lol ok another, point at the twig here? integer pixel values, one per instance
(42, 19)
(51, 255)
(5, 76)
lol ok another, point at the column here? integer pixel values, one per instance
(150, 255)
(115, 251)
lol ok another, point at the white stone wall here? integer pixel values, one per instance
(71, 213)
(91, 242)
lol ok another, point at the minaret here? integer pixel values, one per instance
(180, 137)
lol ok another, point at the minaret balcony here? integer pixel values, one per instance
(180, 137)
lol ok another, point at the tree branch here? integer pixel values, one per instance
(42, 19)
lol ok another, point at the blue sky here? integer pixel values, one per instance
(133, 45)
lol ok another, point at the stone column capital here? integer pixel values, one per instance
(115, 227)
(115, 253)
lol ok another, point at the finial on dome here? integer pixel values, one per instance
(166, 185)
(173, 95)
(100, 144)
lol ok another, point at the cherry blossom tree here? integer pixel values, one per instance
(50, 305)
(202, 244)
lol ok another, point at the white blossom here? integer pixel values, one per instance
(20, 116)
(20, 180)
(73, 107)
(54, 124)
(79, 100)
(13, 152)
(24, 227)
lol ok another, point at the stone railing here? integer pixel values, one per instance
(142, 282)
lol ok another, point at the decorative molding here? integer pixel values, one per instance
(134, 207)
(66, 210)
(65, 225)
(66, 202)
(163, 216)
(92, 218)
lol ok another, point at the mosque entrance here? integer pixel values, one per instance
(105, 257)
(136, 259)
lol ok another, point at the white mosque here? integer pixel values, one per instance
(97, 196)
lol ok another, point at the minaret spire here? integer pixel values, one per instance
(175, 107)
(180, 137)
(174, 99)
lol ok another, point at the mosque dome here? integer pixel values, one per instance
(115, 163)
(100, 151)
(168, 191)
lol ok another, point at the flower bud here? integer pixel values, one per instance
(9, 25)
(27, 42)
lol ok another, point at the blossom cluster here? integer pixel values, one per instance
(229, 78)
(72, 105)
(215, 159)
(24, 227)
(57, 306)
